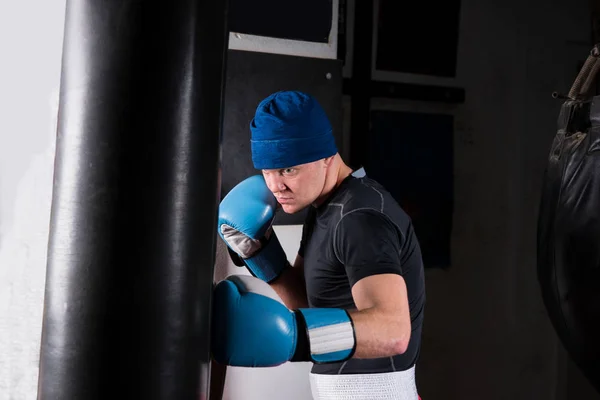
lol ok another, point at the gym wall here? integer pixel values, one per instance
(31, 36)
(486, 333)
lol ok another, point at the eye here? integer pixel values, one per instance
(288, 171)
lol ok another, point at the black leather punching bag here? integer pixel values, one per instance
(131, 248)
(569, 225)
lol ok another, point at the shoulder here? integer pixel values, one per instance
(364, 202)
(360, 193)
(365, 224)
(367, 237)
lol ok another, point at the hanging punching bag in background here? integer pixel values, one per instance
(131, 247)
(569, 225)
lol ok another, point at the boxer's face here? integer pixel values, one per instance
(297, 187)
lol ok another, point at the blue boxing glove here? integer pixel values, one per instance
(251, 327)
(245, 223)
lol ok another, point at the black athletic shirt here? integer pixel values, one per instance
(360, 231)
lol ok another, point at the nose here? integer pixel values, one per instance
(274, 183)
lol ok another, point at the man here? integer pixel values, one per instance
(353, 301)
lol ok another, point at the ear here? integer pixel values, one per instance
(328, 161)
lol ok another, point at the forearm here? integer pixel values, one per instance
(290, 286)
(380, 333)
(256, 329)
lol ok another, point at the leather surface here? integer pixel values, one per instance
(245, 223)
(569, 234)
(252, 326)
(131, 249)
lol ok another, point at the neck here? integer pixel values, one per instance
(335, 176)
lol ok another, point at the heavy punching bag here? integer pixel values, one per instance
(135, 197)
(569, 225)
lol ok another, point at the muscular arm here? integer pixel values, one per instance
(382, 319)
(369, 245)
(290, 285)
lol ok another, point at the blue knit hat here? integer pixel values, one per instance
(290, 128)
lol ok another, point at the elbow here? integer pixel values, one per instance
(400, 339)
(401, 345)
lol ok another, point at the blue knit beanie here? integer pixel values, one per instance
(290, 128)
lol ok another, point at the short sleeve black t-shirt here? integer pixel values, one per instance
(358, 232)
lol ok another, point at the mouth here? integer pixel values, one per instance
(284, 200)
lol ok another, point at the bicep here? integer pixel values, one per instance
(383, 313)
(369, 247)
(382, 291)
